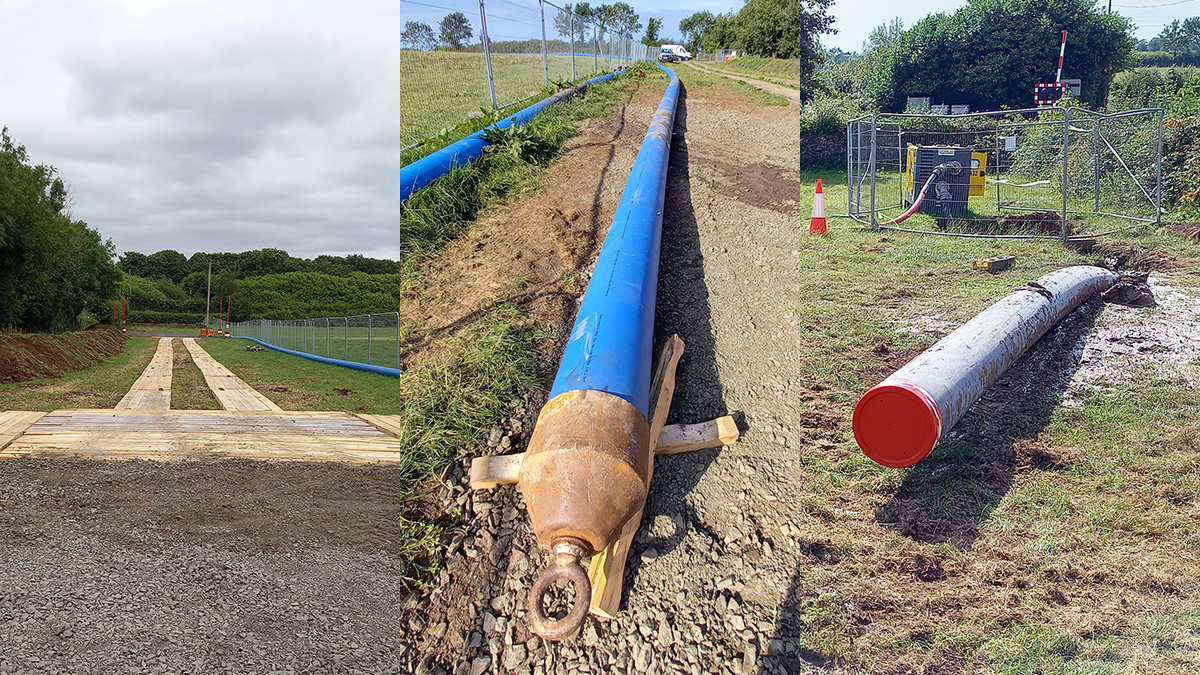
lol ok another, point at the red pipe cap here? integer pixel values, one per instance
(897, 423)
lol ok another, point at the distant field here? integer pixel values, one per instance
(763, 67)
(1187, 71)
(439, 89)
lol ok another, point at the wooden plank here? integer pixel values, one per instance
(388, 424)
(152, 391)
(14, 424)
(607, 569)
(488, 472)
(679, 438)
(230, 390)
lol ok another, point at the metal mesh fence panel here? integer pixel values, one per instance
(464, 58)
(373, 339)
(1028, 171)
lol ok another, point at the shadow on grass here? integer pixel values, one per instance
(682, 309)
(946, 497)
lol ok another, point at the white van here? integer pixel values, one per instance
(677, 50)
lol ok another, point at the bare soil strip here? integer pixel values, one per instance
(230, 390)
(792, 95)
(152, 391)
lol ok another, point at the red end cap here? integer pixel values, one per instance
(818, 185)
(897, 423)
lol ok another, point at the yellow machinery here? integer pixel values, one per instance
(977, 172)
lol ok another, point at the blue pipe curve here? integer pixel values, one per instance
(365, 367)
(429, 168)
(610, 345)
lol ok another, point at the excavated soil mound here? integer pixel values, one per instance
(26, 357)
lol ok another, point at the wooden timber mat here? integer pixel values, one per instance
(178, 435)
(152, 391)
(231, 391)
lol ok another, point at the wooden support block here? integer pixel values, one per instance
(14, 423)
(679, 438)
(491, 470)
(488, 472)
(994, 265)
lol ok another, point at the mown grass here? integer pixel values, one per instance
(694, 78)
(1064, 541)
(101, 386)
(189, 391)
(446, 409)
(442, 210)
(439, 89)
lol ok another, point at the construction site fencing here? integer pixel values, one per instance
(461, 58)
(372, 339)
(1037, 169)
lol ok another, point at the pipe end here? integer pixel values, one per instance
(897, 423)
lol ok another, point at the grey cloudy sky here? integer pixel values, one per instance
(213, 125)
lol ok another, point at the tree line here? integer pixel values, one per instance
(53, 268)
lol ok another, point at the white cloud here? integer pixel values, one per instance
(214, 125)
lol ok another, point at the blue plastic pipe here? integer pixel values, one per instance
(353, 365)
(610, 346)
(429, 168)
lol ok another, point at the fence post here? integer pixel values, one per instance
(397, 340)
(1065, 151)
(1096, 151)
(545, 57)
(327, 336)
(871, 167)
(1158, 170)
(369, 316)
(595, 50)
(487, 53)
(571, 18)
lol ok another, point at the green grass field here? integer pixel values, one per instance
(377, 345)
(439, 89)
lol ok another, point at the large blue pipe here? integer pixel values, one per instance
(429, 168)
(610, 345)
(586, 470)
(353, 365)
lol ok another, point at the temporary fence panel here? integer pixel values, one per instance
(1035, 170)
(374, 339)
(465, 58)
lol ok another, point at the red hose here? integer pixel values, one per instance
(918, 201)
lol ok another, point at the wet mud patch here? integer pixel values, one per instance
(1037, 222)
(761, 185)
(1125, 256)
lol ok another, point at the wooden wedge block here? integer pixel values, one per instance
(607, 569)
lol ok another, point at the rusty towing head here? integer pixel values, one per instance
(585, 473)
(899, 421)
(587, 467)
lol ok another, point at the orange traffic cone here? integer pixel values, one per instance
(817, 226)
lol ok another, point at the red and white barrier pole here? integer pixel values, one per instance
(1062, 49)
(228, 314)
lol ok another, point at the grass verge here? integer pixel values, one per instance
(189, 391)
(100, 386)
(694, 78)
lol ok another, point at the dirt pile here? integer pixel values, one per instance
(26, 357)
(1132, 288)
